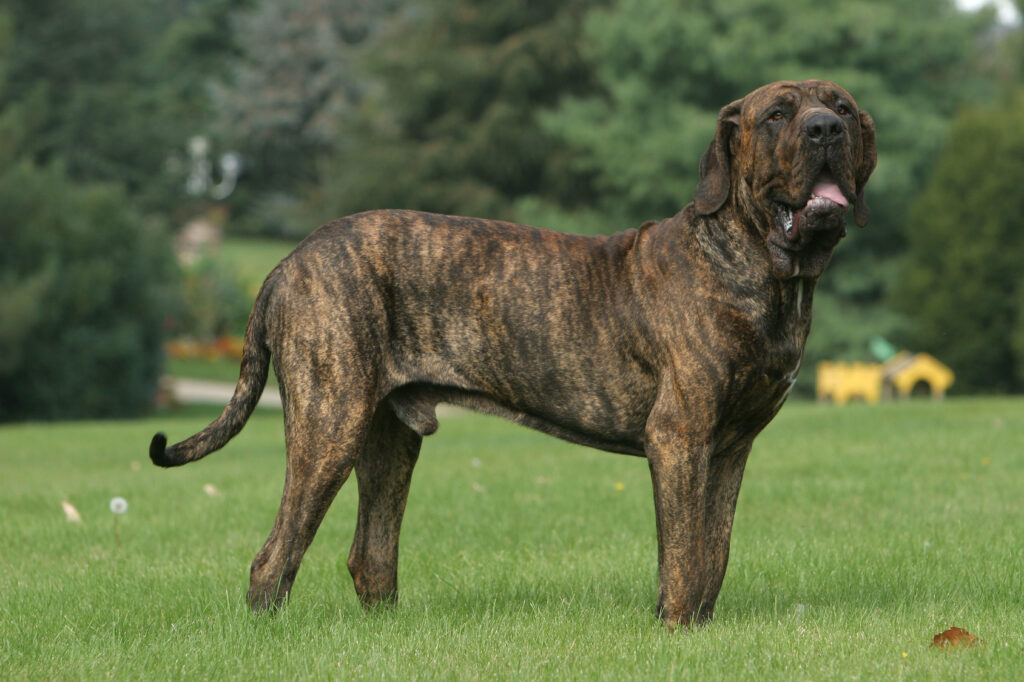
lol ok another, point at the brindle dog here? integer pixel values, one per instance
(677, 341)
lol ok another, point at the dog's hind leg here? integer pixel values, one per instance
(384, 472)
(322, 449)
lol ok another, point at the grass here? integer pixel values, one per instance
(251, 259)
(220, 369)
(861, 532)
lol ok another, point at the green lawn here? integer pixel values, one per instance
(861, 532)
(252, 259)
(221, 369)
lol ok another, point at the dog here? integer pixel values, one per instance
(677, 341)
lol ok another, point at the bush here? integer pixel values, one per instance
(215, 304)
(85, 285)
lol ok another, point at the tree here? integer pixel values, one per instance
(448, 120)
(665, 68)
(284, 98)
(115, 87)
(963, 284)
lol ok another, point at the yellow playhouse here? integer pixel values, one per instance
(902, 375)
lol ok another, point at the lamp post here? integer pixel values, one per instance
(200, 177)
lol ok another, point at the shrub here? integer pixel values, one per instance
(85, 285)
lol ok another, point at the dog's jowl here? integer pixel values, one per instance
(677, 341)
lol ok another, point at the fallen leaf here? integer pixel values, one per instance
(211, 490)
(70, 513)
(954, 638)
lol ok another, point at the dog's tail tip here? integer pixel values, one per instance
(158, 451)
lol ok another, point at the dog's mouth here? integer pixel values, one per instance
(802, 241)
(826, 201)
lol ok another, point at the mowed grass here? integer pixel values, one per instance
(861, 532)
(250, 260)
(224, 370)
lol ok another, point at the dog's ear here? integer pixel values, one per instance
(868, 159)
(713, 188)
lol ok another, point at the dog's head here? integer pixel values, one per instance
(791, 158)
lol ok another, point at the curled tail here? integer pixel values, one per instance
(251, 381)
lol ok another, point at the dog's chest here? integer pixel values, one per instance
(769, 372)
(750, 406)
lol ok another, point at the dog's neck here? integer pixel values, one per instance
(741, 262)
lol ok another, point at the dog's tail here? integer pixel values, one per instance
(251, 381)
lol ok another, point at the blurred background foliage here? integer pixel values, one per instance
(585, 116)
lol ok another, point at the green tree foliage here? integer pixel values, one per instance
(112, 87)
(284, 97)
(964, 284)
(665, 68)
(85, 284)
(92, 99)
(449, 119)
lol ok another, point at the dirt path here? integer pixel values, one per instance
(202, 392)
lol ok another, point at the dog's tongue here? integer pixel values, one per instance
(827, 188)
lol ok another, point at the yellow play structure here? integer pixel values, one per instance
(902, 375)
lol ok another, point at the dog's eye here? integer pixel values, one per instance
(844, 110)
(776, 116)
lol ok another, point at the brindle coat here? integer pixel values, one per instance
(678, 341)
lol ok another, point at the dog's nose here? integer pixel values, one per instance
(823, 128)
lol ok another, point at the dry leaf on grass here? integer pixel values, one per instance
(70, 513)
(955, 638)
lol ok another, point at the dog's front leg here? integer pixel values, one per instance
(678, 450)
(724, 477)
